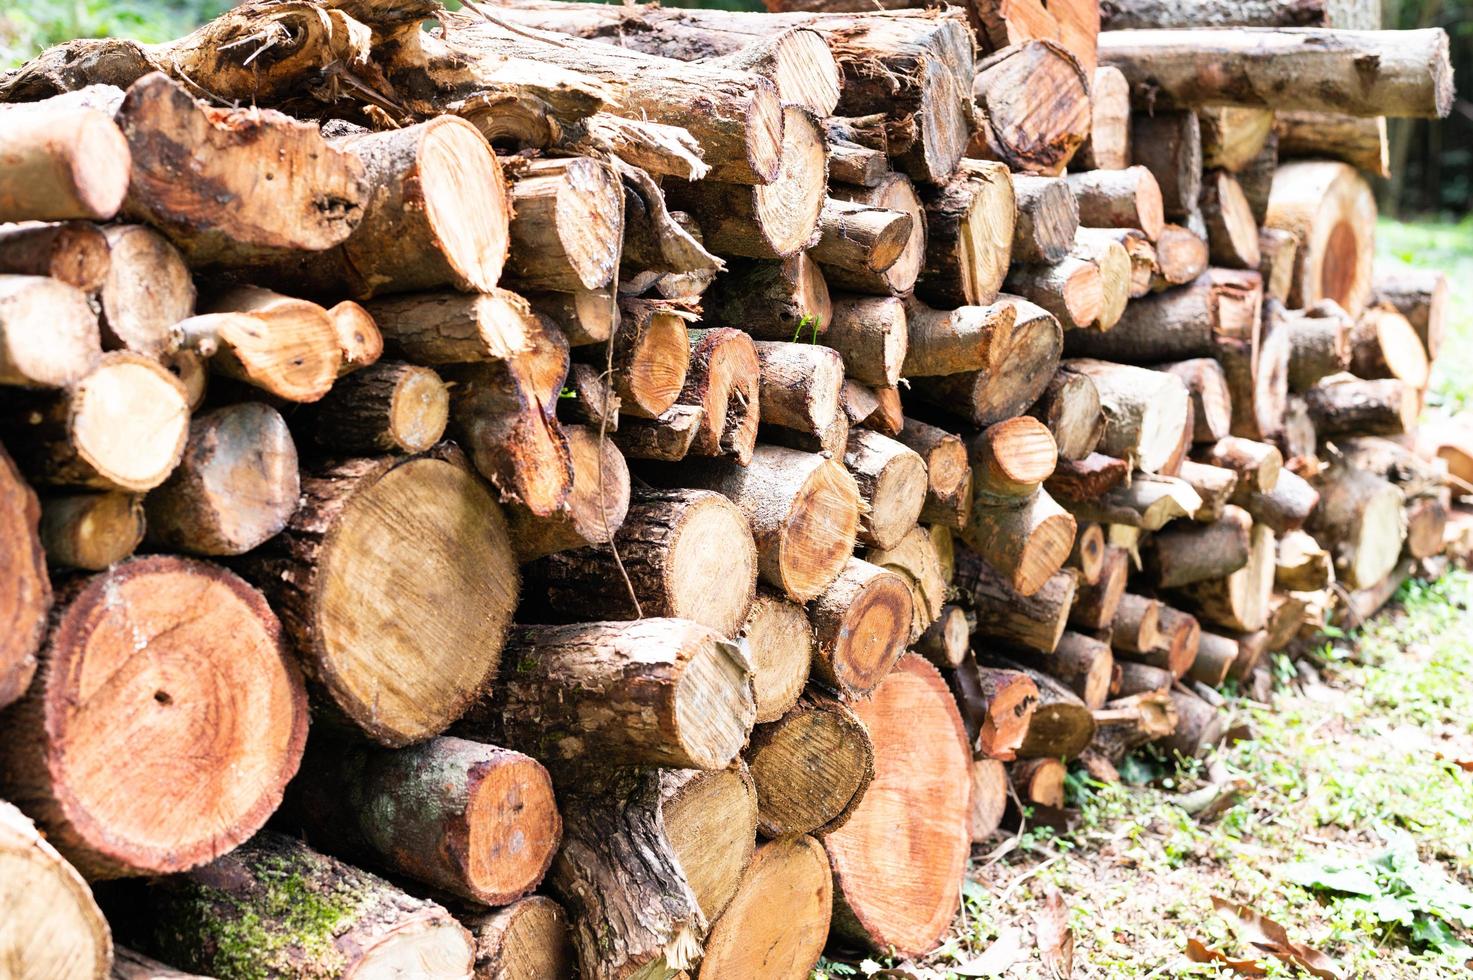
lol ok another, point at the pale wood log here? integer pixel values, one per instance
(916, 560)
(948, 474)
(801, 385)
(91, 531)
(723, 380)
(1181, 256)
(1070, 407)
(1019, 374)
(1287, 506)
(1088, 555)
(1011, 459)
(1357, 140)
(863, 624)
(968, 338)
(969, 224)
(651, 355)
(946, 641)
(1108, 146)
(567, 224)
(1232, 233)
(870, 333)
(73, 252)
(1144, 266)
(1145, 411)
(777, 924)
(589, 398)
(1211, 400)
(48, 333)
(359, 339)
(1332, 211)
(1095, 604)
(1180, 639)
(523, 941)
(1238, 601)
(1258, 464)
(1169, 145)
(1233, 136)
(25, 596)
(1124, 198)
(811, 766)
(989, 798)
(1361, 520)
(1219, 306)
(391, 406)
(1302, 565)
(1215, 485)
(780, 642)
(585, 316)
(1277, 251)
(1319, 344)
(437, 328)
(1047, 217)
(62, 161)
(1257, 178)
(1033, 98)
(285, 346)
(1134, 628)
(1384, 344)
(1421, 297)
(860, 238)
(1104, 249)
(1039, 782)
(1085, 664)
(1072, 289)
(1028, 540)
(1427, 521)
(595, 508)
(876, 272)
(1258, 375)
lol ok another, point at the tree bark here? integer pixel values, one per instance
(1212, 402)
(567, 224)
(784, 300)
(1047, 217)
(996, 705)
(1070, 407)
(1061, 726)
(812, 767)
(870, 333)
(1343, 405)
(1145, 411)
(1033, 622)
(287, 347)
(1362, 521)
(1287, 506)
(389, 407)
(1357, 140)
(1084, 480)
(723, 380)
(1199, 725)
(1319, 345)
(1180, 640)
(1181, 323)
(946, 642)
(1187, 553)
(1034, 101)
(1122, 198)
(969, 338)
(863, 623)
(73, 252)
(969, 234)
(1072, 290)
(1134, 628)
(1027, 541)
(526, 940)
(585, 316)
(1141, 14)
(1169, 145)
(1238, 601)
(1302, 565)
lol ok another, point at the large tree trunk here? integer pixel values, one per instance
(189, 646)
(401, 655)
(812, 767)
(52, 926)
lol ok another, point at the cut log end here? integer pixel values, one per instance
(777, 924)
(811, 767)
(465, 200)
(863, 622)
(52, 925)
(824, 521)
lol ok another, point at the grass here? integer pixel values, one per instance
(26, 29)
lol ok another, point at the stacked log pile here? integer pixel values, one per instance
(692, 472)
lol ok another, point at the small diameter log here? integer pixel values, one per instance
(1180, 324)
(1421, 297)
(1181, 256)
(772, 300)
(780, 643)
(1124, 198)
(1145, 411)
(777, 924)
(147, 290)
(969, 235)
(996, 705)
(1319, 345)
(1026, 540)
(1361, 520)
(1083, 663)
(473, 820)
(1233, 136)
(1020, 372)
(1070, 408)
(968, 338)
(287, 347)
(948, 473)
(892, 486)
(594, 510)
(1183, 553)
(871, 334)
(567, 224)
(1259, 380)
(1343, 405)
(1287, 506)
(1034, 102)
(1238, 601)
(1358, 140)
(25, 597)
(189, 647)
(1134, 628)
(1179, 636)
(585, 316)
(389, 407)
(1329, 206)
(685, 554)
(1033, 622)
(91, 531)
(1048, 216)
(897, 880)
(1364, 73)
(1169, 145)
(399, 657)
(1384, 344)
(1302, 564)
(862, 622)
(1299, 439)
(1138, 678)
(1257, 464)
(803, 510)
(360, 341)
(1139, 14)
(1215, 657)
(771, 220)
(1427, 520)
(588, 398)
(527, 940)
(652, 351)
(1072, 289)
(811, 766)
(1039, 782)
(723, 380)
(52, 927)
(236, 486)
(1212, 402)
(62, 161)
(1146, 503)
(860, 238)
(946, 641)
(1095, 605)
(895, 195)
(48, 333)
(122, 426)
(1088, 554)
(73, 252)
(1277, 250)
(367, 926)
(1103, 248)
(1061, 725)
(1144, 266)
(1108, 146)
(1199, 725)
(989, 798)
(1232, 234)
(680, 695)
(916, 560)
(1011, 459)
(455, 328)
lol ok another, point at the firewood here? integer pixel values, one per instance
(1180, 639)
(1139, 678)
(1361, 521)
(1344, 405)
(969, 233)
(1145, 411)
(415, 656)
(62, 161)
(1034, 101)
(862, 622)
(1421, 297)
(1137, 14)
(723, 381)
(1011, 459)
(1277, 250)
(1211, 399)
(1142, 254)
(968, 338)
(850, 163)
(1169, 145)
(1427, 519)
(1088, 554)
(1287, 506)
(948, 473)
(431, 812)
(786, 300)
(1108, 146)
(1258, 464)
(26, 596)
(910, 715)
(803, 510)
(777, 924)
(1027, 540)
(860, 238)
(1181, 256)
(710, 820)
(1148, 503)
(771, 220)
(1414, 474)
(945, 642)
(195, 920)
(360, 341)
(1185, 553)
(1134, 628)
(874, 271)
(1259, 379)
(1332, 211)
(91, 531)
(48, 334)
(1215, 658)
(594, 510)
(236, 486)
(1384, 344)
(216, 632)
(870, 333)
(1357, 140)
(651, 356)
(1047, 217)
(801, 385)
(585, 316)
(1298, 438)
(1320, 345)
(1074, 24)
(780, 643)
(1104, 249)
(996, 705)
(527, 939)
(915, 559)
(1085, 664)
(1123, 198)
(391, 406)
(455, 328)
(1095, 605)
(1061, 726)
(1233, 136)
(145, 292)
(1410, 73)
(1072, 289)
(1232, 234)
(892, 486)
(1070, 408)
(1180, 323)
(567, 224)
(1032, 622)
(1199, 725)
(588, 398)
(989, 798)
(1088, 479)
(121, 426)
(1238, 601)
(1301, 564)
(287, 347)
(54, 927)
(1039, 782)
(73, 252)
(812, 767)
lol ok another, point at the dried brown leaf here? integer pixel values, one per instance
(1266, 935)
(1055, 938)
(994, 961)
(1198, 952)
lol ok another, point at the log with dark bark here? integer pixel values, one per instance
(1140, 14)
(1180, 323)
(1180, 640)
(1095, 605)
(1361, 521)
(1344, 405)
(188, 645)
(1183, 553)
(198, 920)
(771, 300)
(969, 234)
(778, 922)
(811, 767)
(63, 161)
(1087, 479)
(1332, 211)
(526, 940)
(1083, 663)
(1287, 506)
(1047, 217)
(1319, 345)
(946, 641)
(394, 654)
(53, 927)
(74, 252)
(911, 716)
(473, 820)
(1238, 601)
(1199, 725)
(1134, 629)
(1033, 99)
(1033, 622)
(1169, 145)
(25, 596)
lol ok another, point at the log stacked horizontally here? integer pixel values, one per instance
(555, 487)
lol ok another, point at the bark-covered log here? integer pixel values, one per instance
(1344, 405)
(187, 645)
(1125, 198)
(1169, 145)
(969, 235)
(1362, 521)
(1108, 146)
(1277, 250)
(1033, 622)
(948, 473)
(883, 271)
(389, 407)
(1212, 402)
(1232, 234)
(723, 380)
(473, 820)
(1233, 136)
(1181, 256)
(1033, 98)
(1039, 782)
(772, 300)
(1095, 604)
(777, 924)
(48, 334)
(897, 879)
(1238, 601)
(1302, 565)
(1183, 553)
(710, 820)
(1026, 540)
(589, 398)
(1258, 464)
(1134, 628)
(811, 767)
(74, 252)
(870, 333)
(968, 338)
(62, 161)
(862, 622)
(1180, 639)
(360, 341)
(242, 914)
(398, 654)
(146, 291)
(996, 705)
(1061, 725)
(1047, 217)
(454, 328)
(1144, 266)
(1088, 479)
(1140, 14)
(1085, 664)
(25, 596)
(594, 510)
(1384, 344)
(1332, 211)
(1357, 140)
(946, 641)
(585, 316)
(860, 238)
(1011, 459)
(1421, 297)
(1319, 344)
(1199, 725)
(1070, 407)
(1287, 506)
(567, 224)
(1145, 411)
(91, 531)
(1147, 503)
(527, 940)
(1072, 289)
(780, 643)
(1180, 323)
(285, 346)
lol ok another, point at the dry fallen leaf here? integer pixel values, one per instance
(1199, 953)
(1266, 935)
(996, 959)
(1055, 938)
